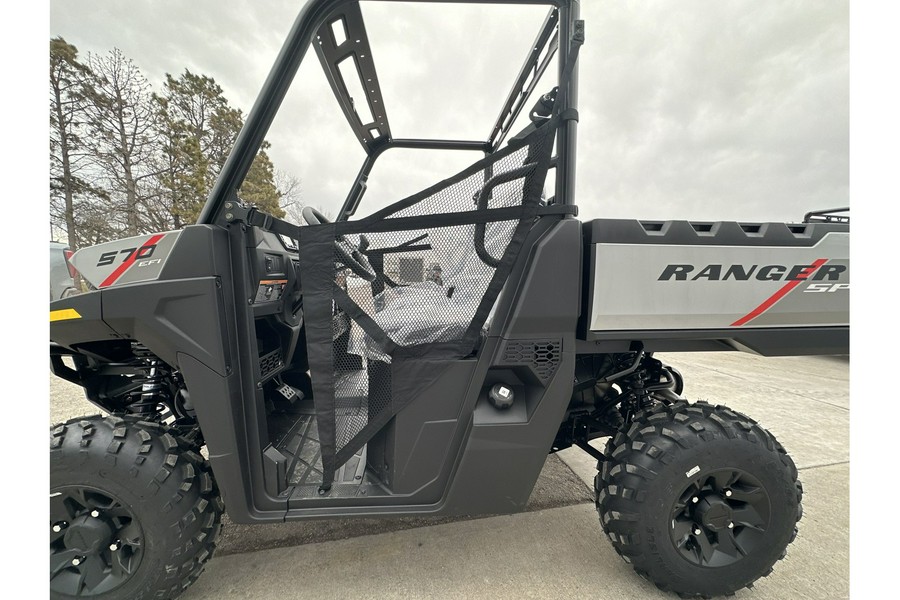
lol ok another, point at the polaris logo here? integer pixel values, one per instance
(747, 272)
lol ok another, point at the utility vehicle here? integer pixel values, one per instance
(288, 371)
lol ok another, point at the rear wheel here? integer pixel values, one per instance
(700, 499)
(134, 510)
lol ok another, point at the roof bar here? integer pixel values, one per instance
(348, 209)
(303, 33)
(343, 38)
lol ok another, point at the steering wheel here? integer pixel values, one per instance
(347, 253)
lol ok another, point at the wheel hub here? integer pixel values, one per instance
(714, 513)
(96, 543)
(88, 534)
(720, 518)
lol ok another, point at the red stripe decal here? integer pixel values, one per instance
(120, 270)
(802, 276)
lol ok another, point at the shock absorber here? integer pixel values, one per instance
(153, 377)
(644, 382)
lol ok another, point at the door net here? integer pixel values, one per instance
(439, 260)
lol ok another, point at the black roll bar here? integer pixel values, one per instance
(316, 16)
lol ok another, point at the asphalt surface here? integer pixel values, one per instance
(556, 548)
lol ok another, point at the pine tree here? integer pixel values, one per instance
(199, 128)
(70, 86)
(259, 186)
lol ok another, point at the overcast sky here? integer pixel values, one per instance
(690, 109)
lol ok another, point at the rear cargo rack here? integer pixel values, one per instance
(827, 216)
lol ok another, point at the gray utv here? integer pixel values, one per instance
(426, 358)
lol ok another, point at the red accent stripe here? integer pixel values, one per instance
(120, 270)
(804, 274)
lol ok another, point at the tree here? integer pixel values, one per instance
(123, 130)
(258, 187)
(183, 171)
(199, 128)
(127, 161)
(291, 191)
(70, 86)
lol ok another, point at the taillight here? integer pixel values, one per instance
(72, 272)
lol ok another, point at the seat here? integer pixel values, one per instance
(419, 313)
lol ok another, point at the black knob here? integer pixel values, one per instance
(501, 396)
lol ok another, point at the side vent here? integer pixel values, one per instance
(542, 356)
(752, 228)
(270, 363)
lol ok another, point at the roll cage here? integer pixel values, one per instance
(316, 25)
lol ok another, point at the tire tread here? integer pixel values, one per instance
(172, 473)
(621, 484)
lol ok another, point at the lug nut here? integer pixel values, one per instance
(57, 527)
(731, 526)
(697, 531)
(114, 546)
(695, 499)
(728, 493)
(95, 513)
(77, 561)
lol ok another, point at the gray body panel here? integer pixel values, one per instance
(716, 276)
(130, 260)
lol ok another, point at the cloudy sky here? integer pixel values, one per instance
(690, 109)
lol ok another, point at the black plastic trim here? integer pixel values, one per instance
(708, 233)
(770, 341)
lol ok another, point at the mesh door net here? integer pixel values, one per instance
(441, 258)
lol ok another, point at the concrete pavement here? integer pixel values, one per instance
(552, 554)
(557, 549)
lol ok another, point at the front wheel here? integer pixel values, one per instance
(134, 510)
(700, 499)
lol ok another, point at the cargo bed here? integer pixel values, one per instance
(770, 288)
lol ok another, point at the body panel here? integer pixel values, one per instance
(720, 277)
(128, 260)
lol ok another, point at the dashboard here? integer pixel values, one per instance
(273, 271)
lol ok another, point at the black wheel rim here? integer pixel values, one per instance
(96, 542)
(720, 518)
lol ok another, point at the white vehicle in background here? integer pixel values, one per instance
(62, 273)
